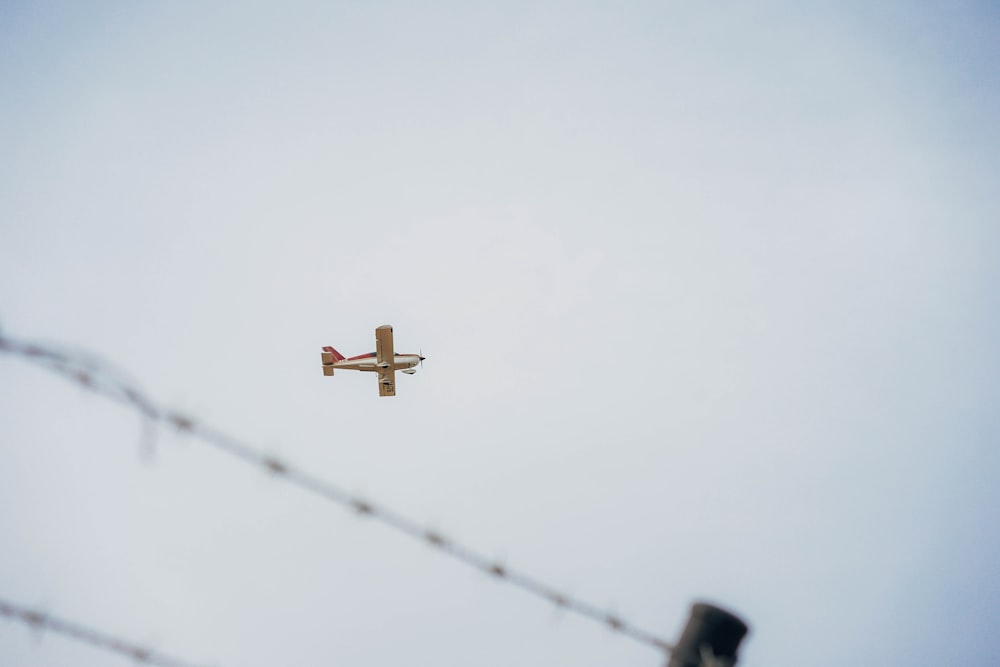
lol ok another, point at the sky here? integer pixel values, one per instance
(707, 293)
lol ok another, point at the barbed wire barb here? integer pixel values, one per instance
(39, 621)
(88, 373)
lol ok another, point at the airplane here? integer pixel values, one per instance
(384, 361)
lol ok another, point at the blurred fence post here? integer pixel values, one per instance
(710, 638)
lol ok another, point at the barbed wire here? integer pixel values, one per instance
(101, 378)
(39, 620)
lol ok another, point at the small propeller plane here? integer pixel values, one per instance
(384, 361)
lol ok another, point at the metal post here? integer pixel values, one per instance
(710, 638)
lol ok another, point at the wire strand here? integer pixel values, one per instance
(90, 374)
(40, 620)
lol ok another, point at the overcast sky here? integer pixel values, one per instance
(708, 294)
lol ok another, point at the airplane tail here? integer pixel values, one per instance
(330, 355)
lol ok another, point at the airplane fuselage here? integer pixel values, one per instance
(369, 362)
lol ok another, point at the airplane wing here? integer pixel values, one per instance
(387, 382)
(383, 346)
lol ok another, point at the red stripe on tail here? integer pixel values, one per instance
(337, 356)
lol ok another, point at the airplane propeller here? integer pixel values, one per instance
(421, 355)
